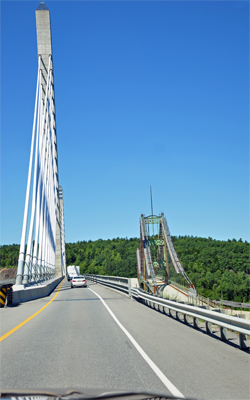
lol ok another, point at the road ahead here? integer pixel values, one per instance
(76, 342)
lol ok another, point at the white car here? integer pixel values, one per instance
(78, 281)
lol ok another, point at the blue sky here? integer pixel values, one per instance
(147, 93)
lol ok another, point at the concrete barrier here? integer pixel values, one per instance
(5, 294)
(22, 293)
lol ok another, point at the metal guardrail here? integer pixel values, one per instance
(211, 317)
(179, 286)
(192, 298)
(115, 282)
(232, 304)
(215, 303)
(201, 300)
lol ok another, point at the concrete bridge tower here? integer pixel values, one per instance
(44, 50)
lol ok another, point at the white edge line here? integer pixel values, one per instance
(154, 367)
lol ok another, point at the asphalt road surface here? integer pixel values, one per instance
(98, 338)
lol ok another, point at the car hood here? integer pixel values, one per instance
(71, 394)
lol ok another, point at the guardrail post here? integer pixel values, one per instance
(242, 337)
(196, 323)
(243, 341)
(196, 320)
(177, 312)
(171, 312)
(129, 287)
(208, 324)
(209, 329)
(223, 331)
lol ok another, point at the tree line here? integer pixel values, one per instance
(218, 269)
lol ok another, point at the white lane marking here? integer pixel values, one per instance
(154, 367)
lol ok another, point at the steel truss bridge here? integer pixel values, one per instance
(152, 256)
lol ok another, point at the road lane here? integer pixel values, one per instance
(74, 342)
(148, 360)
(12, 316)
(198, 365)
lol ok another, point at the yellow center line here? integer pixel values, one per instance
(32, 316)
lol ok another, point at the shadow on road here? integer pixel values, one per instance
(13, 305)
(216, 332)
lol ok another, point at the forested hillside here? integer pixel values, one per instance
(115, 257)
(217, 268)
(9, 255)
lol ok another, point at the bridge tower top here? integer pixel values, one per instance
(43, 30)
(44, 43)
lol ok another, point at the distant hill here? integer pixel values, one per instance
(217, 268)
(9, 255)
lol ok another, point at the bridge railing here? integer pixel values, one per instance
(211, 317)
(201, 300)
(231, 304)
(115, 282)
(36, 273)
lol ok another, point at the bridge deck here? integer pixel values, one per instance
(75, 342)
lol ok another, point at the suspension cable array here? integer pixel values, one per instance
(43, 256)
